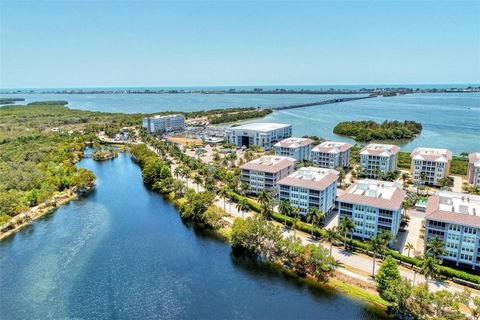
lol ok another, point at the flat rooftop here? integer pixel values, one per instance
(263, 127)
(432, 154)
(269, 164)
(380, 194)
(332, 147)
(294, 142)
(454, 207)
(159, 116)
(311, 178)
(378, 149)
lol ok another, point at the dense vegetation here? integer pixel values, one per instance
(239, 115)
(39, 146)
(10, 100)
(370, 130)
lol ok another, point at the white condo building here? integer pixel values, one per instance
(374, 206)
(378, 157)
(164, 124)
(455, 219)
(434, 163)
(264, 135)
(264, 173)
(331, 154)
(298, 148)
(309, 187)
(473, 176)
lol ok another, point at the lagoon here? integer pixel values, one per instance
(122, 252)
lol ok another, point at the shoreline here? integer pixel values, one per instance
(41, 210)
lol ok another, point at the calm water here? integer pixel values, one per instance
(450, 120)
(122, 252)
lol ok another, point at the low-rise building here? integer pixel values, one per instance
(164, 124)
(264, 135)
(309, 187)
(264, 173)
(331, 154)
(374, 206)
(473, 176)
(298, 148)
(430, 165)
(455, 219)
(378, 158)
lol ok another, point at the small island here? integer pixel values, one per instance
(10, 100)
(103, 155)
(366, 131)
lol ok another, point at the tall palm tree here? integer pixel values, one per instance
(436, 247)
(346, 226)
(428, 267)
(409, 247)
(265, 199)
(223, 192)
(314, 216)
(295, 220)
(284, 209)
(242, 206)
(331, 235)
(177, 172)
(376, 245)
(198, 179)
(186, 172)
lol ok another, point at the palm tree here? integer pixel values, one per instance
(435, 247)
(177, 172)
(423, 177)
(376, 245)
(198, 179)
(265, 199)
(331, 235)
(314, 216)
(243, 206)
(409, 247)
(346, 226)
(428, 267)
(295, 220)
(223, 192)
(284, 209)
(186, 174)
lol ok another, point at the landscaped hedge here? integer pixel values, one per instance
(306, 227)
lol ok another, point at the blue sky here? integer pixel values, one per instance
(158, 43)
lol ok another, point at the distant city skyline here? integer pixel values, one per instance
(74, 44)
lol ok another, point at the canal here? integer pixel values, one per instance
(123, 252)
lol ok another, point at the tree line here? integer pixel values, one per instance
(371, 130)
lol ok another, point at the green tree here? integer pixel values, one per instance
(284, 208)
(197, 179)
(436, 247)
(387, 273)
(428, 267)
(223, 193)
(243, 206)
(398, 293)
(346, 226)
(376, 245)
(331, 235)
(409, 247)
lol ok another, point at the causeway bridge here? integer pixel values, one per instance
(318, 103)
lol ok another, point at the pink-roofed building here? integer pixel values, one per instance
(434, 163)
(473, 176)
(374, 206)
(263, 173)
(298, 148)
(309, 187)
(455, 219)
(331, 155)
(378, 158)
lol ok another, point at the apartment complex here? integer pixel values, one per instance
(331, 154)
(374, 206)
(455, 219)
(164, 124)
(309, 187)
(264, 135)
(264, 173)
(430, 165)
(473, 176)
(378, 158)
(298, 148)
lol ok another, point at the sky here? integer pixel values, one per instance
(45, 44)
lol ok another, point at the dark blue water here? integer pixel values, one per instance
(122, 252)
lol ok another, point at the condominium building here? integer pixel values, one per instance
(298, 148)
(455, 219)
(309, 187)
(264, 173)
(331, 154)
(264, 135)
(473, 176)
(378, 158)
(430, 165)
(374, 206)
(164, 124)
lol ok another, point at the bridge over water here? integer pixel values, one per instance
(318, 103)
